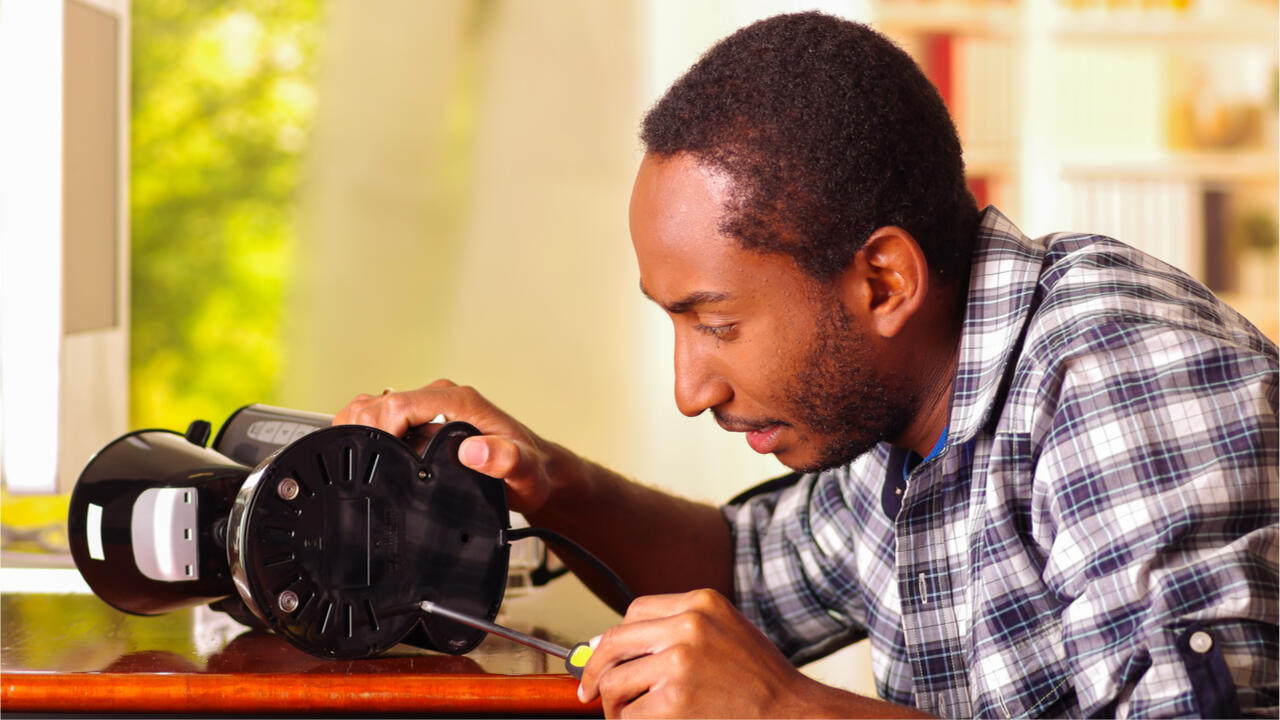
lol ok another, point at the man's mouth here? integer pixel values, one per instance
(762, 435)
(764, 440)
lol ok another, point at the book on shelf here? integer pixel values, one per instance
(975, 76)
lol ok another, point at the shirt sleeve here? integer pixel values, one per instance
(1157, 471)
(796, 574)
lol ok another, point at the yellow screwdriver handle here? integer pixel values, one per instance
(577, 659)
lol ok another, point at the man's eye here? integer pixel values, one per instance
(719, 332)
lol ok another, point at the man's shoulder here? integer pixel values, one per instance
(1097, 293)
(1090, 308)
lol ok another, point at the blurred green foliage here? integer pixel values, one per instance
(222, 99)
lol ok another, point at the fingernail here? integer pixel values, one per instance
(473, 453)
(582, 696)
(594, 642)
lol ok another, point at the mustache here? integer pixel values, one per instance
(737, 423)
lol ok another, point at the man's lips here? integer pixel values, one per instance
(765, 439)
(762, 437)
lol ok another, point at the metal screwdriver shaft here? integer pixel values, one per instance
(480, 624)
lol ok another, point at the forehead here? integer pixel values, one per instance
(676, 208)
(676, 201)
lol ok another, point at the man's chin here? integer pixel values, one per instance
(811, 460)
(805, 463)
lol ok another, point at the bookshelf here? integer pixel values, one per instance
(1229, 23)
(1150, 120)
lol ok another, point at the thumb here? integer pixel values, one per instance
(502, 458)
(474, 452)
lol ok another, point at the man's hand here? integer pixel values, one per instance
(695, 655)
(506, 450)
(689, 655)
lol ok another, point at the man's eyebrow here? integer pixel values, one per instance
(690, 301)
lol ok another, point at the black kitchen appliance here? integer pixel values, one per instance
(329, 536)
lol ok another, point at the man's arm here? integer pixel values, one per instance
(1156, 474)
(657, 543)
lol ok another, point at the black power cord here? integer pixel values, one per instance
(594, 562)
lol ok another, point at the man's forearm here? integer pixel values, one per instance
(657, 543)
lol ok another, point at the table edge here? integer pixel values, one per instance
(556, 694)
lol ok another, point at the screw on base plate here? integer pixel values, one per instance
(287, 488)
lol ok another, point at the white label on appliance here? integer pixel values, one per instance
(93, 528)
(162, 547)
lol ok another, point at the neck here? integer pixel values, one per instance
(922, 434)
(934, 344)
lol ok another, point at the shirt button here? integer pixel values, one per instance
(1200, 642)
(897, 491)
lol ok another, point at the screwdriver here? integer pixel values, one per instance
(575, 658)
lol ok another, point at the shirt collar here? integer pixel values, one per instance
(1002, 286)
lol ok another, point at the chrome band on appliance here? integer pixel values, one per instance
(236, 540)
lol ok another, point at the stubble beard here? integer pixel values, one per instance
(839, 400)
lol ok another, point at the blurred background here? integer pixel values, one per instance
(310, 199)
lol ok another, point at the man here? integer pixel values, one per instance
(1040, 475)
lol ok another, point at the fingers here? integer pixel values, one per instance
(621, 692)
(659, 630)
(692, 655)
(654, 679)
(505, 449)
(623, 644)
(651, 607)
(396, 412)
(399, 413)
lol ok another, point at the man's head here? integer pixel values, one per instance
(828, 132)
(814, 373)
(801, 196)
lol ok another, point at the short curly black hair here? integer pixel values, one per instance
(827, 131)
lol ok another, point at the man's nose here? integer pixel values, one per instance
(699, 385)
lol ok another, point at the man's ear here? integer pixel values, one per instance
(887, 280)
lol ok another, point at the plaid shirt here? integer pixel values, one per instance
(1097, 534)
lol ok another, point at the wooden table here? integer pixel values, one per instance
(73, 653)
